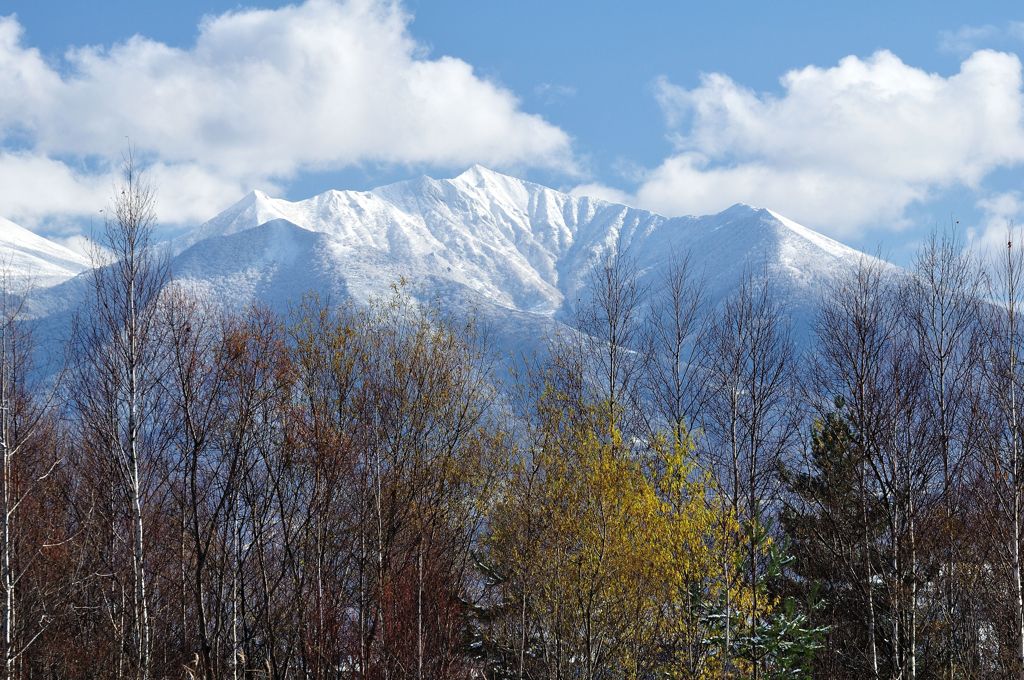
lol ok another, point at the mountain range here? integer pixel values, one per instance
(515, 254)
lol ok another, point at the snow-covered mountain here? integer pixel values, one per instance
(31, 261)
(513, 253)
(483, 240)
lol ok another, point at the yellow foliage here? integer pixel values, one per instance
(615, 549)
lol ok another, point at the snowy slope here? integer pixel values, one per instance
(29, 260)
(484, 239)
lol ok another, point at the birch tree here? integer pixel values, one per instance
(1002, 458)
(27, 460)
(609, 338)
(855, 329)
(674, 330)
(750, 421)
(943, 295)
(119, 369)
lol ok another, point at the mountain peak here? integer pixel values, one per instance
(253, 209)
(254, 197)
(739, 209)
(477, 174)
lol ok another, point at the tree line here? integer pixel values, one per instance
(674, 490)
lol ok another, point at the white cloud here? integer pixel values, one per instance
(192, 192)
(840, 148)
(967, 39)
(261, 96)
(837, 202)
(603, 192)
(34, 188)
(1002, 214)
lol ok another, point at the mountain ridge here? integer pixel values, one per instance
(517, 254)
(520, 243)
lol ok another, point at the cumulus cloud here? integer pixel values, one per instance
(840, 148)
(34, 187)
(261, 96)
(38, 190)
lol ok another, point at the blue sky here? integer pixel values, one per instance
(872, 122)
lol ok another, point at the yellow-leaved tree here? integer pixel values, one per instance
(607, 558)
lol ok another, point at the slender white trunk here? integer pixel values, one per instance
(1017, 579)
(869, 578)
(734, 445)
(897, 592)
(947, 483)
(1015, 456)
(184, 577)
(321, 639)
(142, 610)
(912, 626)
(913, 612)
(522, 635)
(6, 573)
(1015, 547)
(728, 607)
(134, 482)
(362, 598)
(236, 544)
(380, 566)
(419, 611)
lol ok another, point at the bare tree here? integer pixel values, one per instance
(855, 330)
(25, 461)
(120, 366)
(1002, 460)
(943, 294)
(750, 419)
(610, 338)
(207, 476)
(674, 380)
